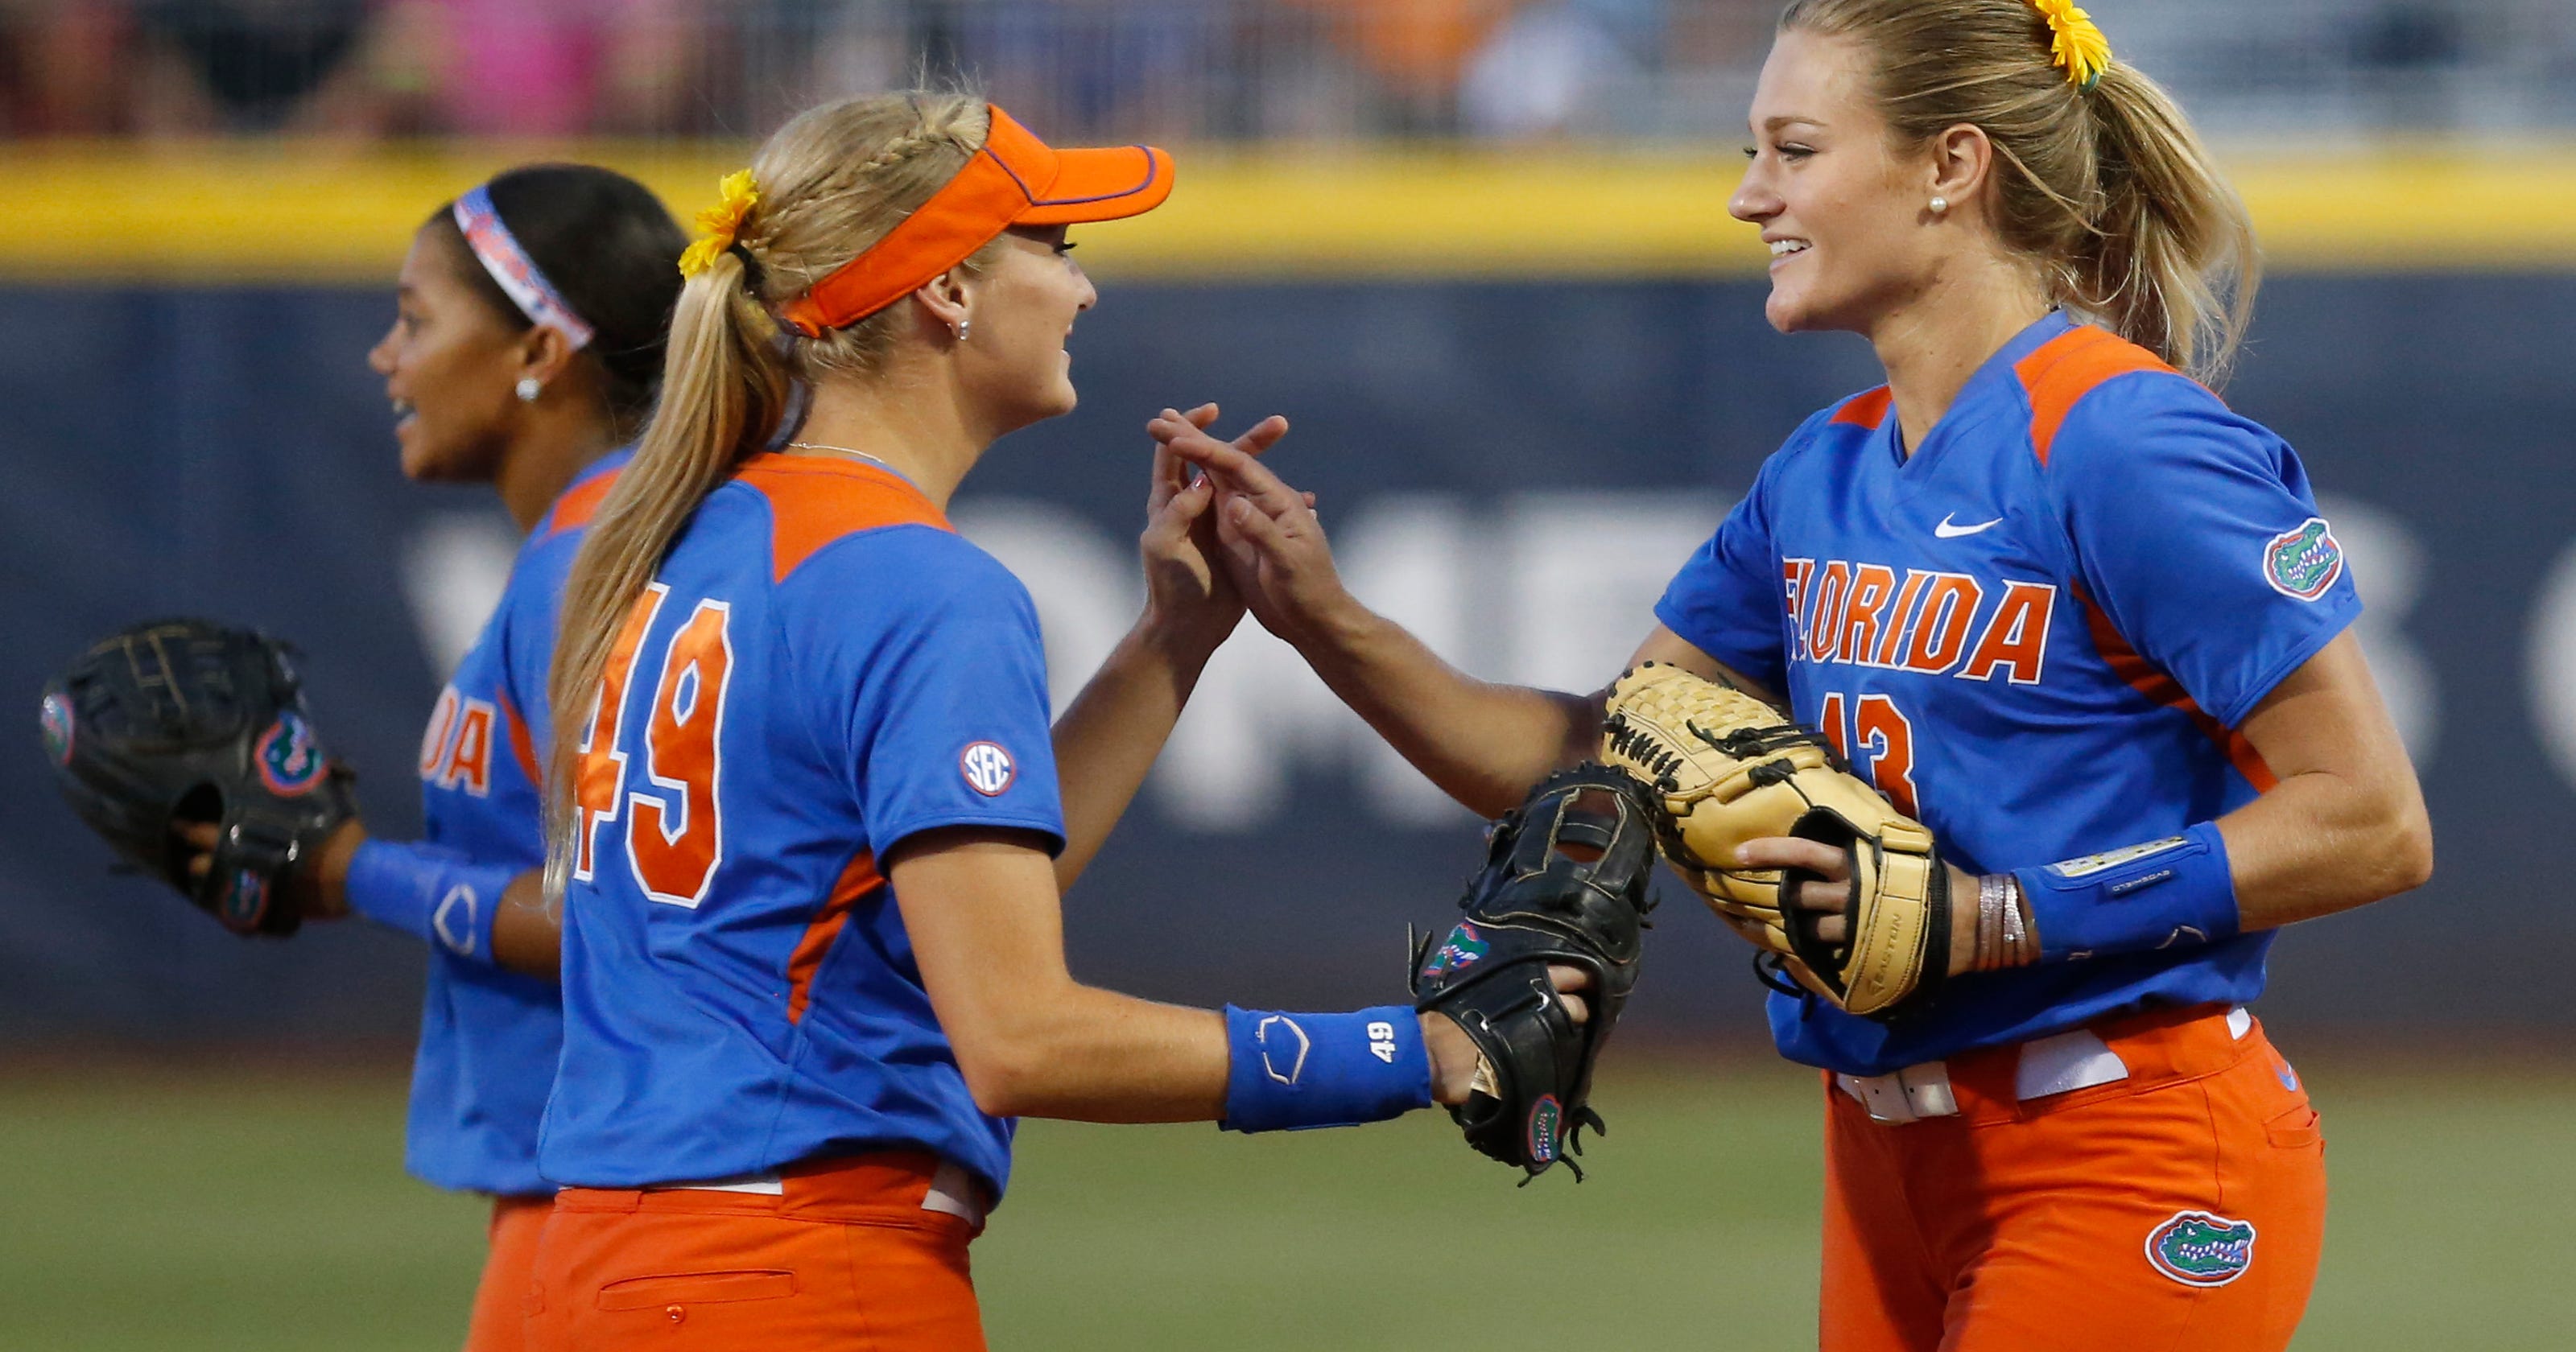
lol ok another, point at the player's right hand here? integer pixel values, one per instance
(1190, 594)
(1273, 543)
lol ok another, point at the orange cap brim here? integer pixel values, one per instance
(1016, 179)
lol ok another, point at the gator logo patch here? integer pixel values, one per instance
(2200, 1248)
(290, 762)
(1543, 1119)
(2303, 562)
(244, 902)
(1464, 948)
(55, 718)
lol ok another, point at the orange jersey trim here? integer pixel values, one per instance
(522, 749)
(814, 501)
(578, 505)
(1866, 410)
(2060, 372)
(2127, 663)
(857, 880)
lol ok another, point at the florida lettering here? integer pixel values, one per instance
(1940, 624)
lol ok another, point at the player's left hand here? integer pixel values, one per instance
(1831, 898)
(1457, 1066)
(1187, 592)
(1273, 543)
(320, 890)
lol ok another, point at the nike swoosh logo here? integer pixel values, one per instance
(1950, 532)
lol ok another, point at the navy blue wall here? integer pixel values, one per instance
(225, 451)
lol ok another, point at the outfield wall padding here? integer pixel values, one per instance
(1514, 467)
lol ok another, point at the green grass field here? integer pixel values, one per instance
(147, 1210)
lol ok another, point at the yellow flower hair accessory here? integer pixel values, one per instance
(2076, 45)
(718, 224)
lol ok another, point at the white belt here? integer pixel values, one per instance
(2058, 1064)
(765, 1185)
(952, 1190)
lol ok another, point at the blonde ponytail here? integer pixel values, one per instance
(2103, 181)
(722, 392)
(831, 183)
(2172, 264)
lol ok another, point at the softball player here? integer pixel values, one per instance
(2050, 594)
(526, 346)
(813, 954)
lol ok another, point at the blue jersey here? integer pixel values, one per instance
(2039, 633)
(820, 668)
(489, 1037)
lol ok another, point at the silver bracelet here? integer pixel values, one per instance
(2016, 936)
(1990, 922)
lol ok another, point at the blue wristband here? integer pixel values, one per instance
(1288, 1072)
(431, 892)
(2169, 893)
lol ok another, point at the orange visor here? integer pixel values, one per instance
(1016, 179)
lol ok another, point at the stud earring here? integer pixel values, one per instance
(1939, 205)
(964, 327)
(528, 388)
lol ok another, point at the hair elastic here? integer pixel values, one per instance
(517, 274)
(2076, 44)
(719, 225)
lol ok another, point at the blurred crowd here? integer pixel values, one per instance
(1174, 69)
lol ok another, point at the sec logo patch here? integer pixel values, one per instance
(987, 767)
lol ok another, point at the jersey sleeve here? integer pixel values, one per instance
(2197, 539)
(531, 606)
(922, 658)
(1727, 601)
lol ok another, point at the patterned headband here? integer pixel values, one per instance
(510, 266)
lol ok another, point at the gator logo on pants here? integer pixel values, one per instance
(2199, 1248)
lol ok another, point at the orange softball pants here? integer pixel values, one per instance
(501, 1298)
(845, 1258)
(2181, 1208)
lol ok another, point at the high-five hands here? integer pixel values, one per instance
(1271, 540)
(1186, 586)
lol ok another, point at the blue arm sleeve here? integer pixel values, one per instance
(2161, 894)
(438, 894)
(1293, 1072)
(2195, 535)
(1728, 600)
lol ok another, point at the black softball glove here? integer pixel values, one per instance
(1564, 883)
(188, 721)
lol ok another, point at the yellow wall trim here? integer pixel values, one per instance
(287, 212)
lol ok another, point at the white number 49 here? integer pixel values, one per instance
(1382, 1041)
